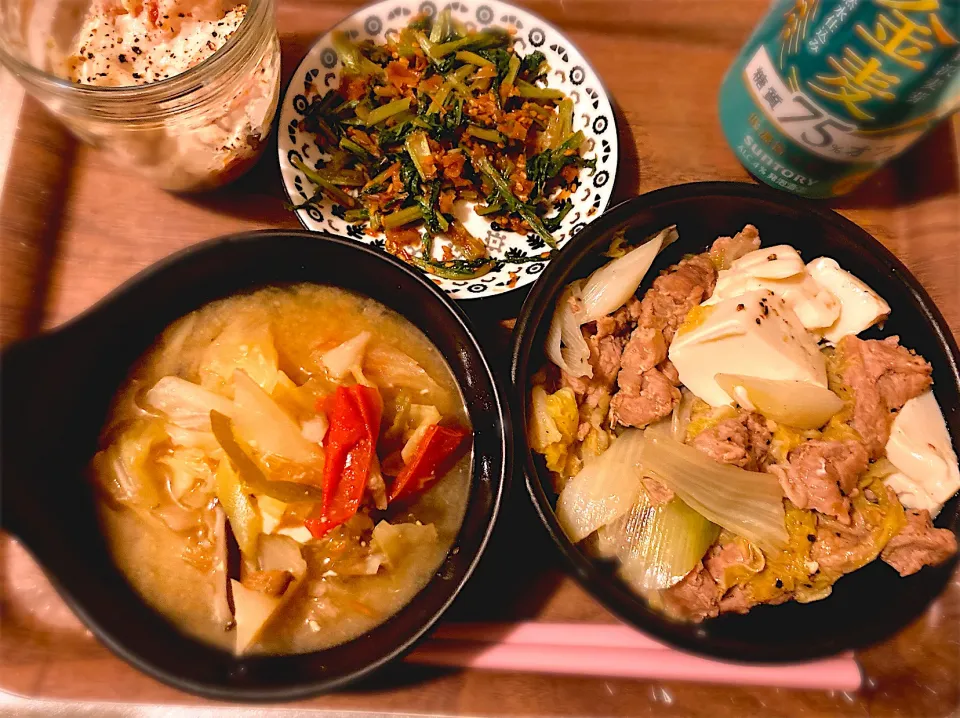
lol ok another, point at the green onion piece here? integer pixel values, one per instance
(427, 245)
(399, 119)
(457, 268)
(484, 210)
(565, 110)
(440, 51)
(482, 85)
(354, 63)
(386, 111)
(405, 43)
(356, 215)
(350, 146)
(424, 43)
(532, 92)
(351, 106)
(550, 138)
(456, 80)
(473, 58)
(342, 177)
(573, 142)
(441, 26)
(379, 179)
(482, 133)
(512, 68)
(328, 187)
(419, 151)
(402, 217)
(440, 98)
(483, 165)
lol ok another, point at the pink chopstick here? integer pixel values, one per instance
(613, 651)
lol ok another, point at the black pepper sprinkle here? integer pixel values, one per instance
(740, 307)
(837, 533)
(89, 55)
(779, 583)
(122, 57)
(214, 33)
(136, 76)
(811, 538)
(758, 320)
(136, 50)
(771, 257)
(180, 14)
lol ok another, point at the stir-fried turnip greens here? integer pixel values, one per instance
(439, 114)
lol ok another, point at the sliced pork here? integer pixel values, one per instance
(675, 292)
(727, 250)
(643, 398)
(743, 441)
(820, 475)
(919, 544)
(839, 548)
(646, 393)
(883, 376)
(696, 597)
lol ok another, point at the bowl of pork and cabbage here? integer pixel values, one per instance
(733, 421)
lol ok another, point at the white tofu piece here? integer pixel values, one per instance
(755, 334)
(780, 270)
(920, 448)
(860, 306)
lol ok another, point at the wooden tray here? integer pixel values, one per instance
(72, 227)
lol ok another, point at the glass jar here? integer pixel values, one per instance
(197, 130)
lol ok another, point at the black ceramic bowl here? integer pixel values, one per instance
(56, 390)
(865, 606)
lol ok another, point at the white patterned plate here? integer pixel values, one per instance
(569, 71)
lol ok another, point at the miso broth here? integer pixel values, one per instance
(284, 470)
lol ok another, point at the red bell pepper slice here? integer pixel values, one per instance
(437, 447)
(354, 414)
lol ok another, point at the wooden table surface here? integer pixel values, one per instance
(72, 227)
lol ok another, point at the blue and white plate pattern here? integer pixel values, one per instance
(522, 257)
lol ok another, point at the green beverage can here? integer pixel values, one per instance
(826, 91)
